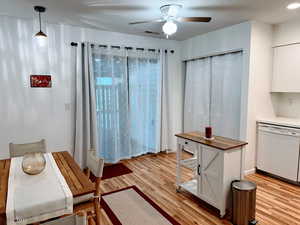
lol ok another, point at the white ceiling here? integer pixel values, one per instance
(114, 15)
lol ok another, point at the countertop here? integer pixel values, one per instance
(221, 143)
(291, 122)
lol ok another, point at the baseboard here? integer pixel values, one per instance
(248, 172)
(168, 150)
(277, 177)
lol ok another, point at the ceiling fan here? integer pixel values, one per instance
(170, 17)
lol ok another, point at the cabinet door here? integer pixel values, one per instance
(210, 175)
(286, 69)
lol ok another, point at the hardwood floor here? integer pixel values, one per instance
(277, 202)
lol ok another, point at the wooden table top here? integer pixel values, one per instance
(77, 181)
(221, 143)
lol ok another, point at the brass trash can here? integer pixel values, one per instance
(244, 202)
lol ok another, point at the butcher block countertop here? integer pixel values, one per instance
(221, 143)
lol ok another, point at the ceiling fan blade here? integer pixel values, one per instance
(151, 32)
(195, 19)
(215, 8)
(147, 21)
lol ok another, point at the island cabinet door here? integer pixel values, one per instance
(210, 175)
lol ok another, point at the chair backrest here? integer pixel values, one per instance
(17, 150)
(69, 220)
(95, 164)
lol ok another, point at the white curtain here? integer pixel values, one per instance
(85, 105)
(128, 102)
(172, 99)
(144, 101)
(111, 82)
(166, 135)
(197, 94)
(213, 94)
(226, 94)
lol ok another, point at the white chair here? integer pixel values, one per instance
(94, 165)
(79, 219)
(17, 150)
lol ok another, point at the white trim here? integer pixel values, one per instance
(248, 172)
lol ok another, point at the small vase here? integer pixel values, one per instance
(33, 163)
(208, 132)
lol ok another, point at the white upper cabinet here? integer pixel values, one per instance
(286, 69)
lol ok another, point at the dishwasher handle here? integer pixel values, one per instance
(279, 130)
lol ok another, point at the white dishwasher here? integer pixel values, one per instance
(278, 150)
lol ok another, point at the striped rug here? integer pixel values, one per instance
(130, 206)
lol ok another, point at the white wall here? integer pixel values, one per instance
(286, 33)
(28, 114)
(255, 39)
(287, 104)
(260, 103)
(228, 39)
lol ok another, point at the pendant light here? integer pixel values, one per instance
(40, 36)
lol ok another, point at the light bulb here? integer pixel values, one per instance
(294, 5)
(41, 39)
(169, 28)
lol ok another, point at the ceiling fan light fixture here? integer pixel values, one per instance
(174, 10)
(170, 10)
(169, 28)
(294, 5)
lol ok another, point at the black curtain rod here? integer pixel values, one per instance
(128, 48)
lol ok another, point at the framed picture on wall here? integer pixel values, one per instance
(40, 81)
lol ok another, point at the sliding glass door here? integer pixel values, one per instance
(128, 102)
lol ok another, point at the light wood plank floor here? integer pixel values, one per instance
(277, 202)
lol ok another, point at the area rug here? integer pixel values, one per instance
(130, 206)
(115, 170)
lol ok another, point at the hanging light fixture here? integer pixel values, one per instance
(40, 36)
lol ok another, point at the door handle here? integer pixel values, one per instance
(199, 169)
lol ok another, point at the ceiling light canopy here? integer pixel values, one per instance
(169, 28)
(294, 5)
(170, 10)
